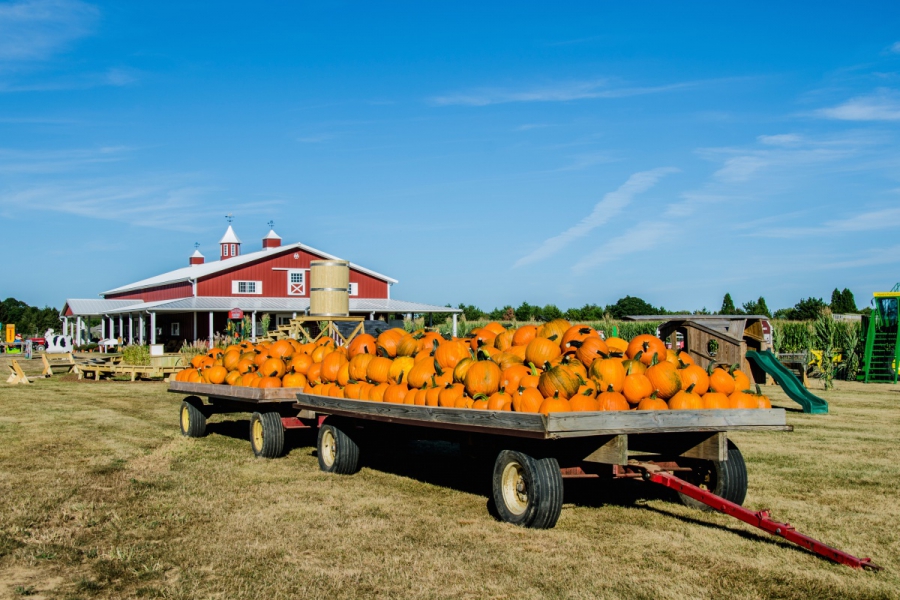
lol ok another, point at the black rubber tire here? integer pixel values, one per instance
(537, 499)
(338, 452)
(192, 418)
(726, 479)
(39, 348)
(266, 434)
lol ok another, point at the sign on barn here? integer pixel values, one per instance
(235, 313)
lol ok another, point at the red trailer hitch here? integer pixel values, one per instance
(760, 519)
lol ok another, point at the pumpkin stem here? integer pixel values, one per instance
(552, 338)
(758, 391)
(366, 349)
(655, 360)
(732, 369)
(575, 343)
(638, 356)
(690, 388)
(653, 395)
(477, 396)
(645, 346)
(556, 395)
(609, 388)
(533, 368)
(710, 368)
(382, 352)
(547, 365)
(437, 367)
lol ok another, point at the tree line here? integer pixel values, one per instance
(29, 320)
(842, 302)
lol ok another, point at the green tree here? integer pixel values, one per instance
(630, 305)
(727, 305)
(837, 302)
(525, 312)
(849, 302)
(550, 312)
(807, 309)
(470, 312)
(757, 308)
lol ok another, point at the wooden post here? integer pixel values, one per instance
(210, 329)
(78, 330)
(153, 327)
(253, 326)
(130, 329)
(102, 328)
(195, 326)
(141, 328)
(121, 330)
(65, 326)
(454, 324)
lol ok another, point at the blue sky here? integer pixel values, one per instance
(563, 153)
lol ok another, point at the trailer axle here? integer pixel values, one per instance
(760, 519)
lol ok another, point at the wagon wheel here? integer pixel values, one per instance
(527, 491)
(726, 479)
(267, 434)
(338, 452)
(193, 419)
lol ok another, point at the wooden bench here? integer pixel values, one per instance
(17, 375)
(64, 363)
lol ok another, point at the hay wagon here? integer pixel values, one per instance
(272, 412)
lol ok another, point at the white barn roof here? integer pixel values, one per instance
(194, 272)
(273, 305)
(230, 237)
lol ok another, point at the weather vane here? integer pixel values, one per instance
(229, 217)
(196, 245)
(271, 224)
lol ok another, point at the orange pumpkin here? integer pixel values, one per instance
(524, 334)
(664, 378)
(269, 382)
(555, 404)
(461, 368)
(432, 396)
(396, 393)
(511, 376)
(376, 394)
(583, 402)
(331, 366)
(231, 359)
(379, 369)
(685, 399)
(577, 334)
(313, 373)
(448, 396)
(741, 381)
(504, 339)
(272, 367)
(652, 403)
(408, 345)
(483, 377)
(294, 380)
(232, 378)
(715, 401)
(720, 381)
(500, 401)
(387, 341)
(400, 368)
(450, 353)
(364, 343)
(281, 349)
(743, 400)
(495, 327)
(696, 376)
(216, 374)
(359, 364)
(617, 345)
(558, 381)
(532, 380)
(300, 363)
(636, 388)
(554, 330)
(541, 350)
(647, 345)
(527, 399)
(421, 373)
(590, 349)
(609, 371)
(611, 400)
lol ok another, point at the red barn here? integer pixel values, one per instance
(193, 302)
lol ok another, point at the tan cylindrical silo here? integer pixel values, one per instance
(329, 282)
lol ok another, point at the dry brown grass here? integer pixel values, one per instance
(101, 497)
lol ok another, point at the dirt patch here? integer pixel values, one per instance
(38, 582)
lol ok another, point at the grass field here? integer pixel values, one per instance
(101, 497)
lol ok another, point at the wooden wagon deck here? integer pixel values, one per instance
(243, 394)
(554, 426)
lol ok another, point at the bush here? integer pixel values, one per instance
(136, 355)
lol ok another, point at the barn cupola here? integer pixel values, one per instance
(197, 258)
(230, 244)
(272, 239)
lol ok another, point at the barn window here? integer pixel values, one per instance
(353, 289)
(296, 283)
(176, 328)
(246, 287)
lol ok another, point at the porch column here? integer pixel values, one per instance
(253, 326)
(454, 324)
(78, 330)
(141, 328)
(121, 329)
(153, 327)
(102, 327)
(130, 329)
(210, 329)
(195, 326)
(65, 326)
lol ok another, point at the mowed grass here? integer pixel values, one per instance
(101, 497)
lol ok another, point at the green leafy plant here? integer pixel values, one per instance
(824, 329)
(136, 355)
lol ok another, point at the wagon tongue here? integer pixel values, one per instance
(654, 473)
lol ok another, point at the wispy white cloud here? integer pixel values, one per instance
(873, 220)
(895, 47)
(554, 92)
(782, 139)
(57, 161)
(611, 205)
(37, 29)
(315, 139)
(883, 105)
(168, 202)
(643, 237)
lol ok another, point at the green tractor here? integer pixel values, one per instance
(882, 358)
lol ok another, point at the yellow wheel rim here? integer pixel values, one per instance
(257, 436)
(185, 419)
(328, 447)
(515, 492)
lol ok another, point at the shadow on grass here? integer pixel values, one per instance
(239, 429)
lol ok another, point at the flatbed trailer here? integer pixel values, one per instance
(272, 412)
(686, 451)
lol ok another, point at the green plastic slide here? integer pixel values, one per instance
(769, 363)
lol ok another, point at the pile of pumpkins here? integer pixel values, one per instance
(555, 367)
